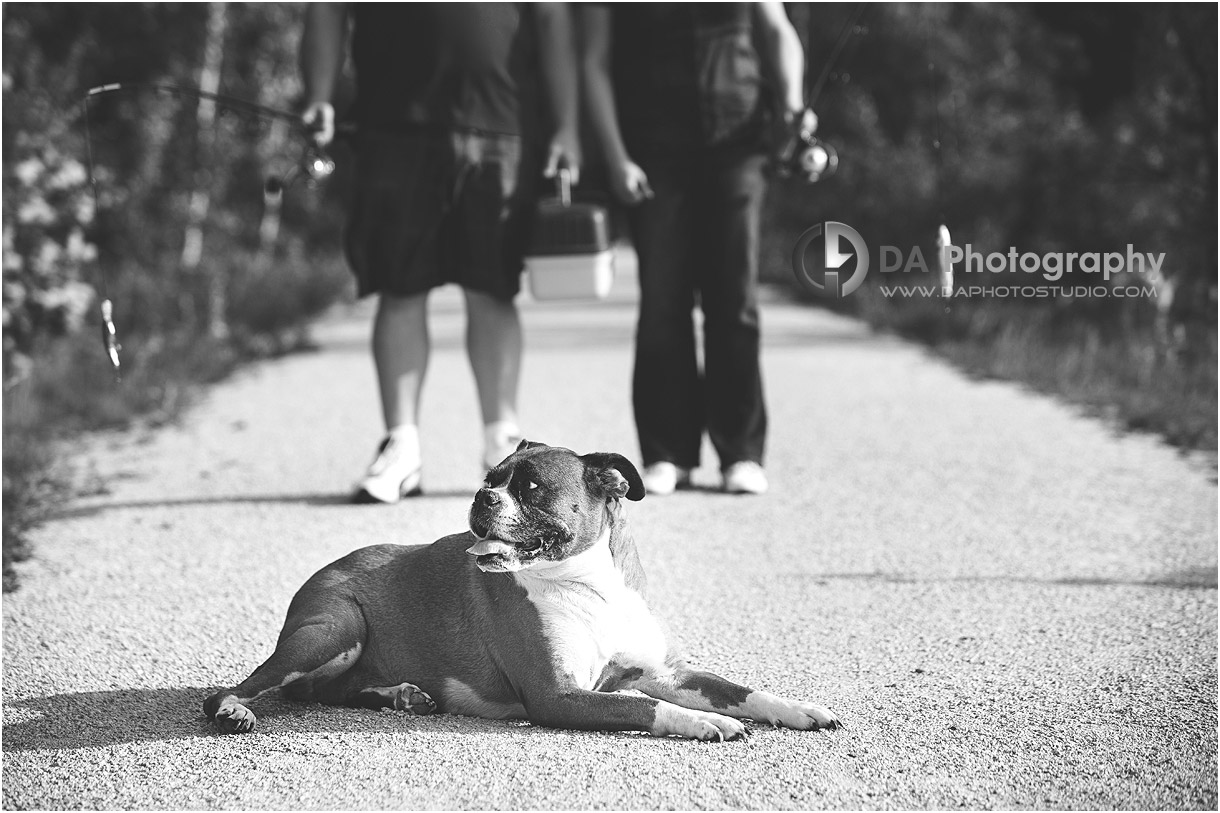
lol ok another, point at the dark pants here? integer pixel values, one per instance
(699, 235)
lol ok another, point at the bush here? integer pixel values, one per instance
(181, 323)
(1060, 128)
(47, 208)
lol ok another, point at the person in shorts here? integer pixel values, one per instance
(460, 110)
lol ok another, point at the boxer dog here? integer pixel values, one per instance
(536, 613)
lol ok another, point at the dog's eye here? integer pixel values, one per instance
(532, 485)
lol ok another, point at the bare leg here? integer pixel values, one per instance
(400, 353)
(494, 343)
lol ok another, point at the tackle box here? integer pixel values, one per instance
(570, 256)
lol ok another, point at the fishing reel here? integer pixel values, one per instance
(802, 154)
(813, 160)
(315, 166)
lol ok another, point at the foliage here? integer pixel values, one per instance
(260, 278)
(46, 210)
(149, 162)
(1060, 128)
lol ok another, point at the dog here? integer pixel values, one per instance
(536, 613)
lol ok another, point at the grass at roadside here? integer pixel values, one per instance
(70, 387)
(1113, 363)
(1106, 356)
(1172, 395)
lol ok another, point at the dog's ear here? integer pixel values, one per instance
(529, 444)
(615, 474)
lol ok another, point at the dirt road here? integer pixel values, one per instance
(1008, 603)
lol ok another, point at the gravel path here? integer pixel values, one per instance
(1007, 603)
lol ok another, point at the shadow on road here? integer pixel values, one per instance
(101, 719)
(1191, 578)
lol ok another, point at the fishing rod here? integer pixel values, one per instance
(806, 155)
(315, 165)
(850, 27)
(231, 102)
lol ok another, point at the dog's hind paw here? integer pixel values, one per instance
(234, 718)
(718, 728)
(409, 697)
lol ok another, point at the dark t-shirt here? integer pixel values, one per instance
(467, 66)
(685, 74)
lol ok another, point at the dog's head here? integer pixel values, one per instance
(546, 504)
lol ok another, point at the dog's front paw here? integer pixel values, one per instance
(696, 725)
(798, 715)
(234, 718)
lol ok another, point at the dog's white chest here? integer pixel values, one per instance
(590, 617)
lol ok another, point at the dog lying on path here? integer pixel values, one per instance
(536, 613)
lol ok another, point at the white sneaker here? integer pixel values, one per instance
(661, 479)
(393, 475)
(745, 477)
(499, 441)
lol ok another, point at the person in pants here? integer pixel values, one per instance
(677, 102)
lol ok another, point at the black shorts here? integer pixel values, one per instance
(431, 208)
